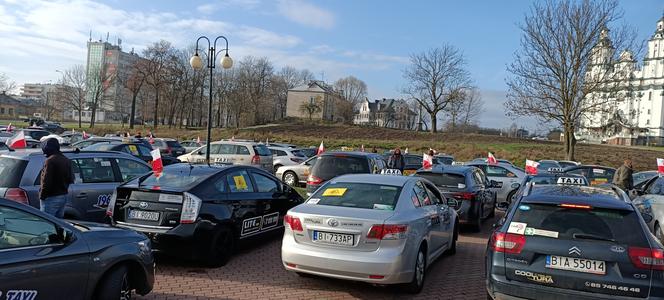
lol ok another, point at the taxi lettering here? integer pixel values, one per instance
(256, 224)
(571, 180)
(21, 295)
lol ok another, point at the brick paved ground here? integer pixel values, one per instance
(256, 273)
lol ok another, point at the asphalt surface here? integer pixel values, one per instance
(255, 272)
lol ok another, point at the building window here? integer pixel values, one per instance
(11, 111)
(2, 110)
(648, 111)
(647, 122)
(649, 95)
(312, 99)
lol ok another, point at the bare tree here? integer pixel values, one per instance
(435, 78)
(6, 85)
(74, 84)
(99, 80)
(352, 90)
(464, 111)
(553, 75)
(312, 107)
(157, 56)
(133, 81)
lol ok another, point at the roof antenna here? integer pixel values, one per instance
(90, 40)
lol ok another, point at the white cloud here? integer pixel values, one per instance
(305, 13)
(210, 8)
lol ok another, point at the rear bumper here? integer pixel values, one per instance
(185, 241)
(468, 211)
(349, 265)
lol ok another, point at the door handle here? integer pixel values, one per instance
(82, 195)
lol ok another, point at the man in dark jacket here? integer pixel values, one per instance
(623, 176)
(55, 179)
(396, 161)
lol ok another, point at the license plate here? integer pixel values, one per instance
(576, 264)
(144, 215)
(334, 238)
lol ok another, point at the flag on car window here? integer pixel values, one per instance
(9, 128)
(660, 165)
(531, 167)
(362, 148)
(198, 140)
(157, 164)
(321, 148)
(18, 142)
(427, 161)
(85, 135)
(491, 159)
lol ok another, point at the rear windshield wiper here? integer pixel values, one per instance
(591, 237)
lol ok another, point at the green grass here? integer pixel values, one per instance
(302, 192)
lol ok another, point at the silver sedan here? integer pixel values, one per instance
(507, 176)
(297, 174)
(373, 228)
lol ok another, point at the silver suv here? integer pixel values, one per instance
(283, 156)
(234, 152)
(96, 173)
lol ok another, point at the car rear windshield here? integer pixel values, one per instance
(101, 147)
(11, 171)
(261, 150)
(175, 181)
(328, 167)
(621, 226)
(173, 144)
(359, 195)
(444, 179)
(298, 153)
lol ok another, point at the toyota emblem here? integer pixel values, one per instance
(333, 222)
(143, 205)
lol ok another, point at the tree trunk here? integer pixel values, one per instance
(133, 111)
(570, 142)
(93, 115)
(434, 123)
(156, 108)
(80, 116)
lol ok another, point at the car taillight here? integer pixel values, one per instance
(293, 222)
(111, 204)
(17, 194)
(464, 196)
(646, 258)
(314, 180)
(191, 205)
(387, 232)
(256, 160)
(507, 242)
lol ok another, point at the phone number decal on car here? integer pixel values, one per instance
(612, 287)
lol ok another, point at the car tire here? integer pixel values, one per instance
(455, 237)
(510, 196)
(115, 285)
(290, 178)
(658, 233)
(419, 274)
(222, 249)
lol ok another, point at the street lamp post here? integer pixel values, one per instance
(197, 63)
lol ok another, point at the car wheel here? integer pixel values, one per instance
(510, 196)
(115, 285)
(222, 249)
(416, 285)
(658, 233)
(455, 237)
(290, 178)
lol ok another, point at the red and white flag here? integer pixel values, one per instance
(427, 161)
(362, 148)
(85, 135)
(531, 167)
(18, 142)
(660, 165)
(491, 159)
(151, 140)
(157, 164)
(405, 151)
(321, 149)
(198, 140)
(232, 138)
(9, 128)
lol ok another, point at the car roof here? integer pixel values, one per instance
(588, 166)
(164, 139)
(374, 179)
(442, 169)
(581, 195)
(235, 142)
(198, 169)
(349, 153)
(25, 154)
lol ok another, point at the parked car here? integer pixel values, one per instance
(567, 163)
(138, 150)
(573, 242)
(282, 156)
(412, 162)
(50, 258)
(642, 177)
(201, 211)
(168, 147)
(485, 160)
(371, 228)
(309, 152)
(35, 134)
(94, 140)
(296, 175)
(96, 176)
(191, 145)
(333, 164)
(234, 152)
(71, 137)
(596, 175)
(443, 159)
(52, 127)
(507, 177)
(281, 145)
(651, 201)
(546, 165)
(4, 147)
(467, 184)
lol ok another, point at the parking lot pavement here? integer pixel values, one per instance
(256, 273)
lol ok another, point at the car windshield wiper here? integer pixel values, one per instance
(591, 237)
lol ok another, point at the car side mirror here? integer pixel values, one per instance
(451, 202)
(647, 217)
(502, 206)
(65, 236)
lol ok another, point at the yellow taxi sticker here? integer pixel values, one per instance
(334, 192)
(408, 172)
(599, 181)
(240, 183)
(133, 149)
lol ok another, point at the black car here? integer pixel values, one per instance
(136, 149)
(52, 128)
(443, 159)
(469, 186)
(44, 257)
(333, 164)
(574, 242)
(168, 147)
(201, 211)
(596, 175)
(35, 134)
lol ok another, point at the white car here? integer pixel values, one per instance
(507, 176)
(233, 152)
(283, 156)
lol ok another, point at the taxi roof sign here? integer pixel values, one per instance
(555, 170)
(390, 172)
(571, 181)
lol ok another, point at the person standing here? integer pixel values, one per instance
(56, 176)
(396, 160)
(623, 176)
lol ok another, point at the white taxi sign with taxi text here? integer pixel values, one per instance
(390, 172)
(555, 170)
(571, 181)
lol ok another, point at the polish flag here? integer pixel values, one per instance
(157, 164)
(427, 161)
(198, 140)
(491, 159)
(405, 151)
(531, 167)
(232, 138)
(267, 142)
(151, 140)
(18, 142)
(321, 149)
(660, 165)
(85, 135)
(9, 128)
(362, 148)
